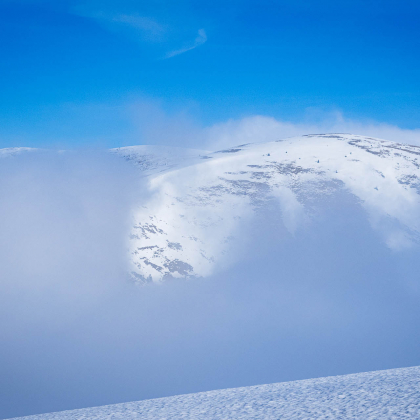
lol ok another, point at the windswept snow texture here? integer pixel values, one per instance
(158, 159)
(387, 394)
(199, 201)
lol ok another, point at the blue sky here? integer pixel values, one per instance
(73, 71)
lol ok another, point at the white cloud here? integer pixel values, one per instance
(200, 40)
(142, 28)
(259, 128)
(180, 129)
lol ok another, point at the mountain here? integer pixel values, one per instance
(199, 201)
(387, 394)
(193, 219)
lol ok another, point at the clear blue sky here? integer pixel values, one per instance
(68, 67)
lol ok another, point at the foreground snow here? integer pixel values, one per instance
(387, 394)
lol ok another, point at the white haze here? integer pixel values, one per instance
(263, 128)
(140, 120)
(152, 124)
(324, 298)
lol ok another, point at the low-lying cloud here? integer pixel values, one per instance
(321, 299)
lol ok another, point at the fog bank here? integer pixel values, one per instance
(329, 298)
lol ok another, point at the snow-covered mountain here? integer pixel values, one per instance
(199, 200)
(190, 222)
(387, 394)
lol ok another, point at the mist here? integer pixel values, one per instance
(326, 298)
(139, 119)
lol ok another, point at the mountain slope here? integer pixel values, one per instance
(388, 394)
(187, 227)
(152, 160)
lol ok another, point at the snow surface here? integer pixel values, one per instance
(157, 159)
(387, 394)
(199, 202)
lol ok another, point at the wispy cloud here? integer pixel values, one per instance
(200, 40)
(259, 128)
(143, 28)
(169, 29)
(156, 126)
(150, 28)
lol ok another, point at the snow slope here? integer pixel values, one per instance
(387, 394)
(153, 160)
(199, 201)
